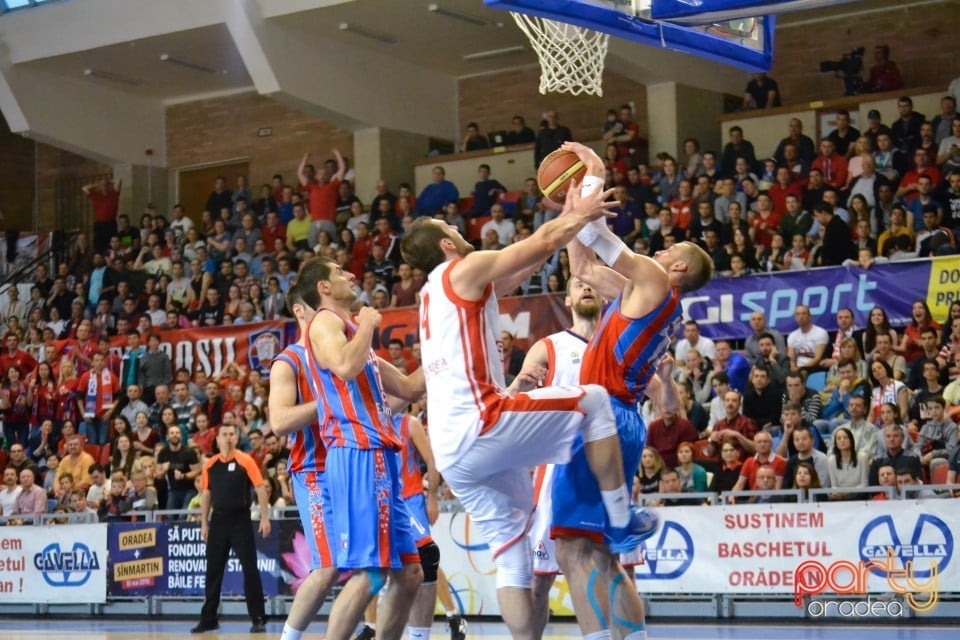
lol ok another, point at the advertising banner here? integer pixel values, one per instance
(169, 559)
(53, 564)
(758, 548)
(723, 307)
(527, 318)
(252, 346)
(902, 547)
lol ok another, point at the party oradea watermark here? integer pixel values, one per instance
(911, 589)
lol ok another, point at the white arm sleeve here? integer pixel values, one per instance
(598, 237)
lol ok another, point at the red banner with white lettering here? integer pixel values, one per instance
(254, 346)
(527, 318)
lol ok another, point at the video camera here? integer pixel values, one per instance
(849, 67)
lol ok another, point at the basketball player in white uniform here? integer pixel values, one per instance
(560, 355)
(485, 441)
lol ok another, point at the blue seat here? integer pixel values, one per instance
(817, 381)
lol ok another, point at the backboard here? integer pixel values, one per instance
(745, 43)
(699, 12)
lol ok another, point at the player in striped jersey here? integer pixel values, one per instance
(293, 412)
(371, 526)
(486, 441)
(625, 353)
(560, 355)
(424, 511)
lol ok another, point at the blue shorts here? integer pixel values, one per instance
(578, 509)
(419, 522)
(371, 524)
(313, 503)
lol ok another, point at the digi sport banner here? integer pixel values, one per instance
(724, 306)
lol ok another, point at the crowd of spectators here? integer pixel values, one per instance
(87, 426)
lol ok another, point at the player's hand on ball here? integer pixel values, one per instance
(368, 316)
(590, 159)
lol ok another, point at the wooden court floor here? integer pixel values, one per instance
(149, 629)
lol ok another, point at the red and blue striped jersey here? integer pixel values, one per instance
(307, 452)
(353, 413)
(624, 352)
(411, 479)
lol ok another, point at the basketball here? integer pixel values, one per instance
(557, 171)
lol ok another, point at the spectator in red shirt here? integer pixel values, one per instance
(322, 191)
(682, 206)
(733, 427)
(205, 437)
(831, 165)
(764, 456)
(884, 75)
(666, 433)
(14, 357)
(273, 230)
(104, 197)
(783, 187)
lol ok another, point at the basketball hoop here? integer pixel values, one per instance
(571, 57)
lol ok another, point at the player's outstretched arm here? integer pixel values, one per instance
(584, 265)
(332, 350)
(407, 387)
(534, 369)
(472, 275)
(286, 416)
(669, 394)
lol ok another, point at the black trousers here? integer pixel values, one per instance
(102, 232)
(232, 530)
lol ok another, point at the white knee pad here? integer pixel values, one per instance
(600, 422)
(514, 566)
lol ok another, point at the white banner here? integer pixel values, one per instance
(848, 548)
(54, 564)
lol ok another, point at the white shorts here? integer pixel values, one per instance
(544, 549)
(492, 478)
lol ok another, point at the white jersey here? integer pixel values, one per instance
(564, 354)
(462, 362)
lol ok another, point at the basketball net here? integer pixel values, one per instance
(571, 57)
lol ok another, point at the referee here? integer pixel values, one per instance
(226, 482)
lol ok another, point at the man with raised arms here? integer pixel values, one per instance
(626, 352)
(485, 441)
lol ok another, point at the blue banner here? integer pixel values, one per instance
(169, 559)
(724, 306)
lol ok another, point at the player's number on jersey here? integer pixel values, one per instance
(424, 311)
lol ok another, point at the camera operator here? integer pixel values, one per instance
(884, 75)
